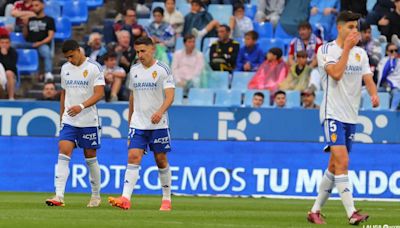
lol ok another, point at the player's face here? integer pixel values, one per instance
(344, 29)
(257, 101)
(74, 57)
(280, 100)
(145, 53)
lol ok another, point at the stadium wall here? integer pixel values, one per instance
(234, 168)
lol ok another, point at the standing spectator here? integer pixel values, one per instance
(356, 6)
(370, 44)
(22, 12)
(49, 92)
(239, 23)
(125, 53)
(308, 99)
(173, 16)
(224, 52)
(187, 64)
(114, 75)
(272, 72)
(199, 22)
(129, 23)
(390, 23)
(280, 99)
(40, 31)
(299, 74)
(269, 10)
(8, 58)
(307, 42)
(161, 32)
(258, 100)
(95, 48)
(250, 56)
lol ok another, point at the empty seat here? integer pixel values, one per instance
(228, 98)
(63, 29)
(201, 97)
(248, 97)
(28, 61)
(292, 98)
(76, 12)
(282, 35)
(370, 4)
(220, 12)
(93, 4)
(250, 10)
(265, 44)
(52, 9)
(184, 8)
(264, 29)
(218, 80)
(18, 40)
(241, 79)
(178, 99)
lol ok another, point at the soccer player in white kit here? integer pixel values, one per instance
(82, 81)
(153, 89)
(343, 66)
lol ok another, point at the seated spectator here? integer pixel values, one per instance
(356, 6)
(272, 72)
(129, 23)
(173, 17)
(369, 44)
(389, 70)
(381, 8)
(160, 31)
(113, 75)
(95, 48)
(199, 22)
(8, 59)
(239, 23)
(125, 53)
(49, 92)
(299, 74)
(258, 100)
(307, 42)
(280, 99)
(40, 31)
(308, 99)
(224, 52)
(250, 56)
(22, 12)
(390, 23)
(269, 10)
(323, 13)
(187, 64)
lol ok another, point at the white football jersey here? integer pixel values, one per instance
(78, 83)
(148, 86)
(342, 98)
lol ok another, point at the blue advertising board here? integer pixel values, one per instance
(206, 167)
(204, 123)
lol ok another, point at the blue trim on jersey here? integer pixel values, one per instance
(166, 68)
(96, 64)
(326, 94)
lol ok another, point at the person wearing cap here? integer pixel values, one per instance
(94, 48)
(299, 74)
(308, 99)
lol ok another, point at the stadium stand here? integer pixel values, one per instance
(201, 97)
(28, 61)
(63, 29)
(76, 12)
(220, 12)
(228, 98)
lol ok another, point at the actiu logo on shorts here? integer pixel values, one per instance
(91, 137)
(163, 140)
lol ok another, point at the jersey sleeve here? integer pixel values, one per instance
(325, 56)
(366, 68)
(168, 81)
(99, 78)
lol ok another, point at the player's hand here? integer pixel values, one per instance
(156, 117)
(351, 40)
(375, 101)
(74, 110)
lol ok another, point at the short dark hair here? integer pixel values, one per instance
(238, 6)
(4, 37)
(198, 2)
(279, 92)
(159, 10)
(276, 51)
(144, 40)
(228, 29)
(301, 53)
(188, 37)
(252, 34)
(110, 55)
(258, 94)
(50, 82)
(304, 24)
(364, 26)
(42, 1)
(346, 16)
(69, 45)
(126, 10)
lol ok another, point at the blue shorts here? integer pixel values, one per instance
(158, 140)
(83, 137)
(338, 134)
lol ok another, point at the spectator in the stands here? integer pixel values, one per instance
(280, 99)
(322, 15)
(389, 70)
(239, 23)
(381, 8)
(370, 45)
(308, 42)
(356, 6)
(390, 23)
(224, 52)
(125, 52)
(187, 64)
(129, 23)
(299, 74)
(49, 92)
(269, 10)
(114, 76)
(22, 12)
(8, 58)
(272, 72)
(199, 22)
(173, 16)
(308, 99)
(250, 56)
(258, 100)
(161, 32)
(40, 31)
(95, 48)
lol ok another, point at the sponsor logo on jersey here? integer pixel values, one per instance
(144, 85)
(333, 137)
(77, 83)
(154, 74)
(85, 73)
(358, 57)
(164, 140)
(353, 69)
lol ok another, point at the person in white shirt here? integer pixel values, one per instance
(82, 82)
(343, 66)
(173, 17)
(153, 89)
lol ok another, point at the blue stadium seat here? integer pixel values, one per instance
(52, 9)
(157, 4)
(201, 97)
(18, 40)
(228, 98)
(93, 4)
(241, 79)
(264, 29)
(221, 12)
(76, 12)
(281, 34)
(178, 99)
(265, 44)
(28, 61)
(370, 4)
(144, 22)
(375, 31)
(63, 29)
(206, 46)
(218, 80)
(384, 99)
(184, 8)
(248, 97)
(395, 101)
(319, 95)
(250, 10)
(292, 98)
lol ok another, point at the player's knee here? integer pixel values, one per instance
(134, 158)
(90, 153)
(342, 165)
(161, 160)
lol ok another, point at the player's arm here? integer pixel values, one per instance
(130, 108)
(98, 94)
(62, 104)
(169, 99)
(371, 88)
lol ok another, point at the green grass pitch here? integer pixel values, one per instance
(29, 210)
